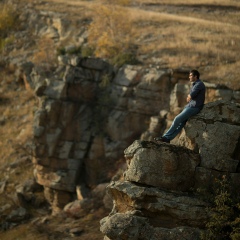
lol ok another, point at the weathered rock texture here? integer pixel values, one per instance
(89, 113)
(158, 198)
(175, 166)
(215, 134)
(86, 120)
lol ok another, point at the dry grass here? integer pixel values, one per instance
(16, 106)
(177, 33)
(110, 30)
(199, 35)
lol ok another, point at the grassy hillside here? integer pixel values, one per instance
(172, 33)
(166, 34)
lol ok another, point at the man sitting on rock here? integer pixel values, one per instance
(195, 100)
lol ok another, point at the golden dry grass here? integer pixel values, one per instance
(16, 106)
(176, 33)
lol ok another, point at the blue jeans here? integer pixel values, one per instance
(180, 121)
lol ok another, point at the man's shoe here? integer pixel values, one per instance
(162, 139)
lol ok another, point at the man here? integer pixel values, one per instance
(195, 103)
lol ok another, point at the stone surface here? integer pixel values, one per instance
(215, 134)
(164, 166)
(130, 226)
(162, 208)
(159, 196)
(84, 122)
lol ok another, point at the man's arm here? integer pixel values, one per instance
(197, 88)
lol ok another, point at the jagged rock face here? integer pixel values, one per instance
(88, 114)
(175, 165)
(162, 208)
(215, 134)
(86, 120)
(158, 199)
(134, 227)
(144, 212)
(150, 202)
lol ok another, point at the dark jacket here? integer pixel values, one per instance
(197, 93)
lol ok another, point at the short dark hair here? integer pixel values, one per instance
(195, 73)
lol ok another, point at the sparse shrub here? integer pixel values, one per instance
(5, 41)
(105, 81)
(7, 19)
(124, 58)
(110, 33)
(87, 51)
(224, 221)
(84, 51)
(75, 50)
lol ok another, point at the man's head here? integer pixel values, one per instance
(194, 75)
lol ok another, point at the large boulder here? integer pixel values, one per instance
(165, 166)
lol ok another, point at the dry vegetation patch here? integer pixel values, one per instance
(16, 106)
(173, 33)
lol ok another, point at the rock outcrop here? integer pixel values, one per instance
(175, 165)
(215, 134)
(158, 198)
(86, 120)
(89, 113)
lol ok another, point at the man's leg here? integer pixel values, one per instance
(179, 122)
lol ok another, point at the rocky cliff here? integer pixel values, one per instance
(158, 197)
(89, 113)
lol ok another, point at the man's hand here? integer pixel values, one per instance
(188, 98)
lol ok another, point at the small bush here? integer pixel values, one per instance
(5, 41)
(124, 58)
(7, 19)
(87, 51)
(75, 50)
(84, 51)
(110, 33)
(224, 221)
(105, 81)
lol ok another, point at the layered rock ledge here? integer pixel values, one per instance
(158, 198)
